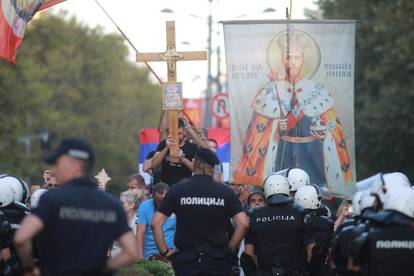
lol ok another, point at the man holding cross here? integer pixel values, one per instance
(175, 154)
(172, 172)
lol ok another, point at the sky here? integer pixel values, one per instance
(144, 24)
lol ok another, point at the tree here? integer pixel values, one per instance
(73, 80)
(384, 82)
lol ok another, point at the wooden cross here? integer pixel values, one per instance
(171, 56)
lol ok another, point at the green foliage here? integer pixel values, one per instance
(147, 268)
(74, 81)
(384, 82)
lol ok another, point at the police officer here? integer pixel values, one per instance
(79, 222)
(342, 262)
(11, 214)
(387, 249)
(278, 236)
(321, 227)
(203, 208)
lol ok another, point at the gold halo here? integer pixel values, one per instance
(312, 56)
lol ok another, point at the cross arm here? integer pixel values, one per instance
(143, 57)
(195, 55)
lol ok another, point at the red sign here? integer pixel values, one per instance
(220, 105)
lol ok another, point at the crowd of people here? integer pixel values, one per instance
(189, 217)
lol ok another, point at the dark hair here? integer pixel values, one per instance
(181, 123)
(139, 178)
(204, 131)
(160, 187)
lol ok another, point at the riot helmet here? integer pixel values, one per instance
(309, 197)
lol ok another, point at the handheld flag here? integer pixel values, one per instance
(14, 15)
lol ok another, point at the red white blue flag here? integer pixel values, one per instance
(14, 15)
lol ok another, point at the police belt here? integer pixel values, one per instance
(298, 140)
(284, 270)
(90, 273)
(199, 252)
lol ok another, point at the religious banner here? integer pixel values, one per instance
(291, 89)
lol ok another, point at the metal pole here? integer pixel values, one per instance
(207, 114)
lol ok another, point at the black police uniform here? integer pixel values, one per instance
(321, 228)
(340, 246)
(279, 235)
(203, 208)
(388, 247)
(10, 218)
(80, 224)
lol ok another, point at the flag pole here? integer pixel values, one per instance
(127, 39)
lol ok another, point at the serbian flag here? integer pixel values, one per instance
(14, 15)
(149, 139)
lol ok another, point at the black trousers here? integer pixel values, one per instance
(202, 262)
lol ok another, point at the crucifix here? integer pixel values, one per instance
(172, 96)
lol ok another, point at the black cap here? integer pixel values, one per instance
(75, 148)
(208, 156)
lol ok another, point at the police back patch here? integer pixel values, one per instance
(275, 218)
(202, 201)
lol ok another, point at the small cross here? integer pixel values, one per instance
(103, 179)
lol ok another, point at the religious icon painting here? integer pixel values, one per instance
(291, 91)
(173, 96)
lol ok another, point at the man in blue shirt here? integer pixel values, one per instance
(145, 239)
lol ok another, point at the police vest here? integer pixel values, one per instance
(321, 228)
(340, 251)
(391, 251)
(277, 234)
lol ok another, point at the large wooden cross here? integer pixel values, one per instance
(171, 56)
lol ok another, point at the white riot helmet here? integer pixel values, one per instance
(389, 181)
(297, 178)
(361, 201)
(6, 194)
(367, 200)
(309, 197)
(34, 200)
(400, 199)
(21, 190)
(278, 187)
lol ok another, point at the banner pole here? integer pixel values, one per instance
(129, 41)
